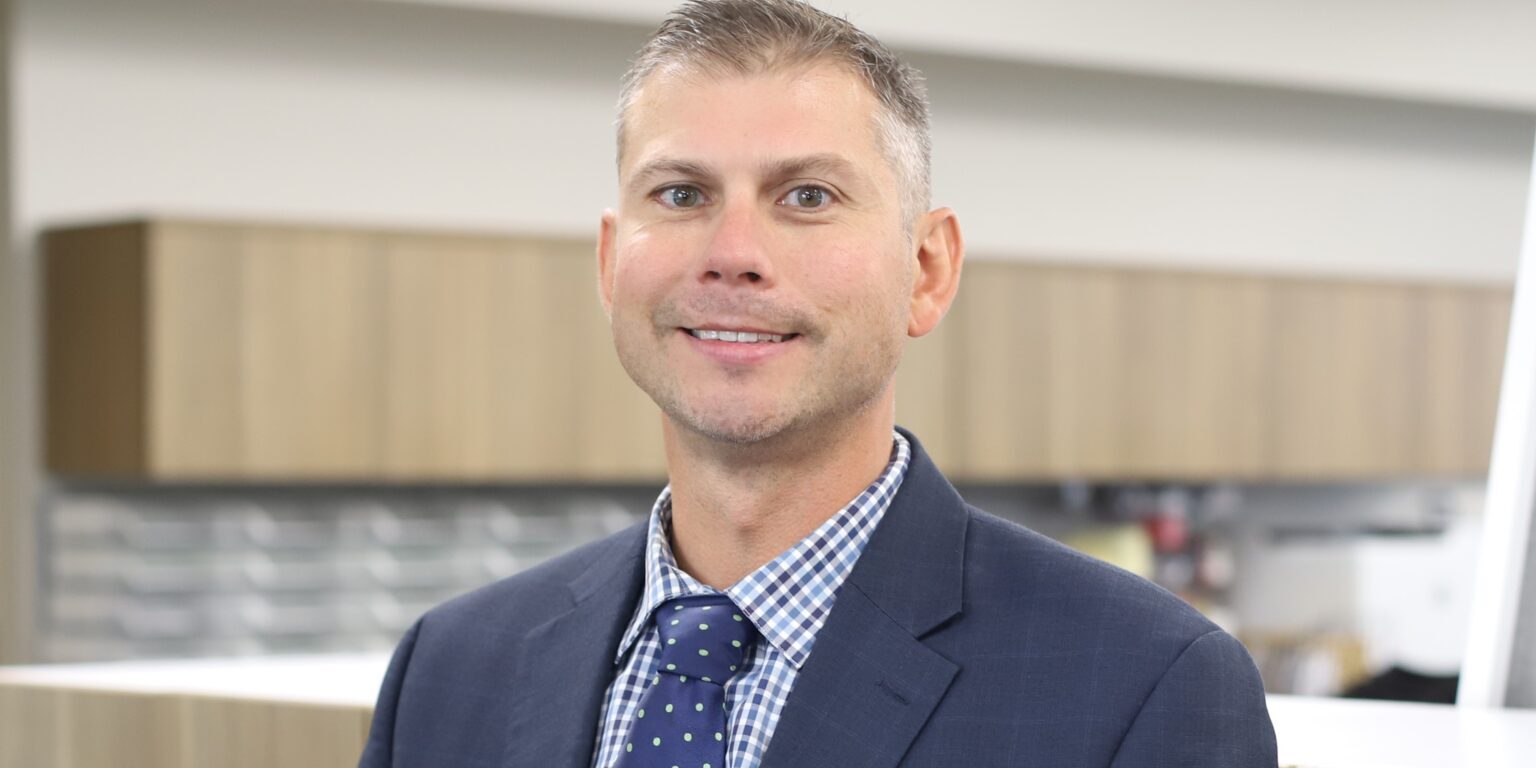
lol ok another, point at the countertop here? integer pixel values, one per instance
(1312, 732)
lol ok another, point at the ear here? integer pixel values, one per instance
(940, 253)
(605, 256)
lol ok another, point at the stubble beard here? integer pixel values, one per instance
(844, 381)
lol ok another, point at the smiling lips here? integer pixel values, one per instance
(739, 337)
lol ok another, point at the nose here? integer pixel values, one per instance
(737, 252)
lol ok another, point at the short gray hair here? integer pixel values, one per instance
(757, 36)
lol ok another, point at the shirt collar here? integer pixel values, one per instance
(788, 598)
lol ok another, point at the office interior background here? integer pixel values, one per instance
(1238, 286)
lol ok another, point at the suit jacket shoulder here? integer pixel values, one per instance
(964, 639)
(1026, 582)
(1108, 668)
(481, 676)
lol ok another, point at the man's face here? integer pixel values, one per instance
(762, 205)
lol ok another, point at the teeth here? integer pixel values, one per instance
(739, 337)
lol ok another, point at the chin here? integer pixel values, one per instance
(734, 428)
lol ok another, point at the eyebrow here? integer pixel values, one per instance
(670, 166)
(826, 163)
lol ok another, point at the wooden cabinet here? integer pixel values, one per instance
(1198, 374)
(1124, 374)
(1343, 380)
(1098, 373)
(1461, 368)
(1383, 380)
(198, 351)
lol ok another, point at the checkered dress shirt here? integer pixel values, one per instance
(788, 600)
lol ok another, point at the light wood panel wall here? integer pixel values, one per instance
(1462, 365)
(1074, 372)
(1124, 374)
(1345, 387)
(208, 351)
(1195, 367)
(1382, 380)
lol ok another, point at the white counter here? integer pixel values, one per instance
(341, 680)
(1313, 732)
(1341, 733)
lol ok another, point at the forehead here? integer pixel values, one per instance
(720, 118)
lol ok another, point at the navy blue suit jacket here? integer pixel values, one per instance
(959, 639)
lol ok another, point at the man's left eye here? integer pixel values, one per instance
(807, 198)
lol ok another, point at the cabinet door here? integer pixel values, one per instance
(292, 353)
(266, 353)
(500, 366)
(1196, 376)
(470, 379)
(1043, 373)
(1087, 372)
(1084, 373)
(1001, 385)
(1043, 378)
(1097, 373)
(1346, 380)
(1461, 366)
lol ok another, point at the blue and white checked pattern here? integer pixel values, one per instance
(788, 600)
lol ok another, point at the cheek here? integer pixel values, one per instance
(870, 282)
(639, 270)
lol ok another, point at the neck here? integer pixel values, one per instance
(734, 507)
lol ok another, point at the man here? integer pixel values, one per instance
(808, 590)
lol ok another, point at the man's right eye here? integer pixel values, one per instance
(681, 196)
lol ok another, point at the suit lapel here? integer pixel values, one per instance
(863, 695)
(567, 662)
(870, 684)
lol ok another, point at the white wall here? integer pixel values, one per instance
(1060, 164)
(447, 117)
(325, 111)
(1474, 52)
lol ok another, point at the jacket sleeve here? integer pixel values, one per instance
(1207, 710)
(379, 751)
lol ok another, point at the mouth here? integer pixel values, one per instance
(740, 336)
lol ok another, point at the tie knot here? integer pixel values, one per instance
(704, 637)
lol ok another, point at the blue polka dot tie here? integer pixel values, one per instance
(681, 719)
